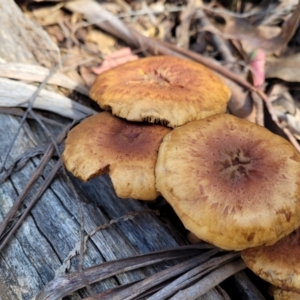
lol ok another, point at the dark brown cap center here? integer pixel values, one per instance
(235, 166)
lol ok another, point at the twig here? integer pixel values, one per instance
(21, 161)
(234, 14)
(191, 276)
(19, 112)
(29, 108)
(76, 249)
(136, 289)
(218, 41)
(73, 281)
(183, 30)
(258, 103)
(77, 64)
(211, 280)
(126, 217)
(149, 13)
(276, 120)
(141, 12)
(39, 193)
(243, 282)
(124, 5)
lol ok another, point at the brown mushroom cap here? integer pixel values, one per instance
(125, 150)
(280, 294)
(279, 263)
(232, 183)
(164, 89)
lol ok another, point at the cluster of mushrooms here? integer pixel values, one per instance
(165, 131)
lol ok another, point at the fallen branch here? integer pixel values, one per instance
(16, 94)
(211, 280)
(64, 285)
(37, 73)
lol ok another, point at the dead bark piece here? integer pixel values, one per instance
(14, 93)
(23, 40)
(36, 73)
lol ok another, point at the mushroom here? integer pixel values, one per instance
(280, 294)
(231, 182)
(278, 264)
(125, 150)
(161, 89)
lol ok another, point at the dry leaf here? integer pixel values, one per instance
(281, 100)
(285, 108)
(56, 34)
(113, 8)
(148, 30)
(294, 123)
(48, 16)
(75, 76)
(87, 76)
(277, 12)
(254, 38)
(285, 68)
(114, 59)
(106, 43)
(73, 58)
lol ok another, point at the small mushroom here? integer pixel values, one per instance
(127, 151)
(231, 182)
(278, 264)
(161, 89)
